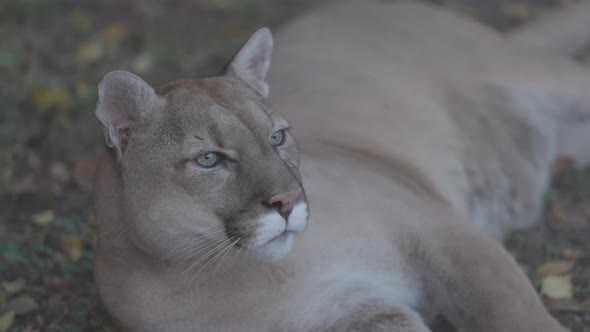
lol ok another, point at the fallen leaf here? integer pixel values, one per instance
(6, 321)
(22, 305)
(555, 268)
(59, 172)
(559, 215)
(566, 305)
(26, 185)
(34, 161)
(14, 286)
(115, 33)
(574, 253)
(557, 287)
(50, 97)
(72, 247)
(561, 165)
(83, 89)
(89, 52)
(585, 305)
(44, 218)
(143, 63)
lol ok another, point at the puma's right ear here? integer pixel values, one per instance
(252, 61)
(124, 99)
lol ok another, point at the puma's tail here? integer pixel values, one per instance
(565, 32)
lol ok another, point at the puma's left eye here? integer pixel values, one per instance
(277, 138)
(207, 160)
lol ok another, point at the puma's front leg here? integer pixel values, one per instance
(478, 285)
(379, 319)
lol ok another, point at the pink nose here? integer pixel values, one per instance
(284, 202)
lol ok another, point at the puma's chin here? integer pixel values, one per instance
(276, 249)
(275, 237)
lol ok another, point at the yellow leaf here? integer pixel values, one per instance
(143, 63)
(557, 287)
(114, 33)
(6, 320)
(49, 97)
(43, 218)
(554, 268)
(72, 247)
(14, 286)
(83, 89)
(89, 52)
(559, 214)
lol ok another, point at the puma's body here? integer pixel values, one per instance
(445, 94)
(417, 129)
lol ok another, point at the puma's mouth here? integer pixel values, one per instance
(277, 248)
(275, 236)
(282, 235)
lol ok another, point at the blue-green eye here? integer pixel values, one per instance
(277, 138)
(207, 160)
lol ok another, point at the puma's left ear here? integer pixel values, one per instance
(252, 61)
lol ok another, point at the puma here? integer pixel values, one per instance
(422, 138)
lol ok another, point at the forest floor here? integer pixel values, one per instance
(52, 55)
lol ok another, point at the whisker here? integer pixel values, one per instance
(223, 243)
(211, 260)
(246, 252)
(194, 244)
(233, 259)
(229, 248)
(195, 248)
(188, 244)
(214, 243)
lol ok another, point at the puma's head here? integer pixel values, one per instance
(205, 163)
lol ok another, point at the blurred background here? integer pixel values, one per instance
(53, 53)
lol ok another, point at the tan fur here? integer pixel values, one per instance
(422, 135)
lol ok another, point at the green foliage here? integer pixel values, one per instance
(13, 253)
(9, 59)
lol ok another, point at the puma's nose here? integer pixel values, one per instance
(284, 202)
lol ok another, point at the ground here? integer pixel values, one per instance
(52, 55)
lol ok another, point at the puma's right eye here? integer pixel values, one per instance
(207, 160)
(277, 138)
